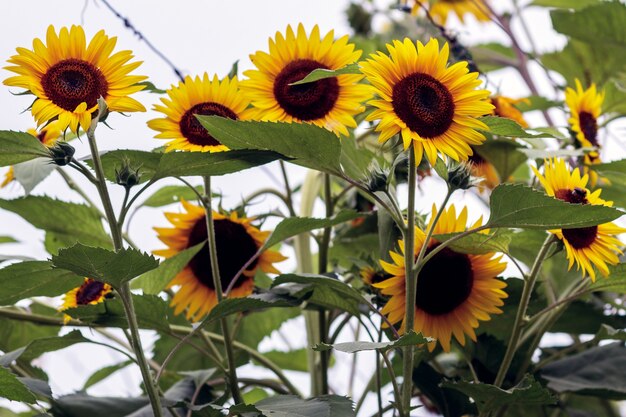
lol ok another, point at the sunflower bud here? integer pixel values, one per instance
(459, 177)
(127, 176)
(377, 180)
(62, 153)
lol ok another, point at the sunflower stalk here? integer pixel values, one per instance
(124, 291)
(215, 272)
(529, 284)
(411, 287)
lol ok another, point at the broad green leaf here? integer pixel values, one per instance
(537, 103)
(490, 398)
(565, 4)
(501, 126)
(67, 222)
(252, 396)
(151, 312)
(521, 206)
(11, 388)
(30, 173)
(480, 243)
(585, 318)
(171, 194)
(258, 325)
(323, 291)
(83, 405)
(16, 147)
(253, 302)
(295, 225)
(146, 162)
(356, 162)
(103, 265)
(615, 282)
(292, 406)
(609, 333)
(181, 164)
(103, 373)
(598, 372)
(38, 347)
(150, 87)
(602, 23)
(321, 73)
(504, 155)
(293, 360)
(311, 146)
(34, 278)
(155, 280)
(408, 339)
(7, 239)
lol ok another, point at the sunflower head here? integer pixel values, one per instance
(90, 292)
(585, 108)
(440, 10)
(587, 246)
(237, 241)
(454, 290)
(330, 102)
(197, 96)
(68, 77)
(505, 107)
(434, 107)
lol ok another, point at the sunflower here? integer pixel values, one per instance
(441, 9)
(433, 106)
(454, 290)
(197, 96)
(236, 240)
(505, 107)
(587, 246)
(68, 77)
(483, 169)
(91, 292)
(330, 102)
(48, 135)
(371, 276)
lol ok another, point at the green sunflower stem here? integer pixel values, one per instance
(529, 284)
(323, 267)
(217, 283)
(411, 287)
(124, 291)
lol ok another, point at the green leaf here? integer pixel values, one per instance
(598, 372)
(292, 406)
(155, 280)
(537, 103)
(253, 302)
(30, 173)
(490, 398)
(311, 146)
(254, 327)
(609, 333)
(146, 162)
(150, 87)
(565, 4)
(295, 225)
(480, 243)
(151, 312)
(523, 207)
(82, 405)
(615, 282)
(408, 339)
(38, 347)
(293, 360)
(103, 373)
(356, 162)
(16, 147)
(504, 155)
(585, 318)
(492, 56)
(321, 73)
(7, 239)
(171, 194)
(602, 23)
(501, 126)
(67, 222)
(323, 291)
(11, 388)
(114, 268)
(181, 164)
(34, 278)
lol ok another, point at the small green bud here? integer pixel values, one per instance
(127, 176)
(62, 153)
(460, 177)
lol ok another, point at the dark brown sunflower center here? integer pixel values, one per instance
(589, 127)
(89, 292)
(424, 104)
(194, 132)
(308, 101)
(581, 237)
(234, 248)
(71, 82)
(445, 282)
